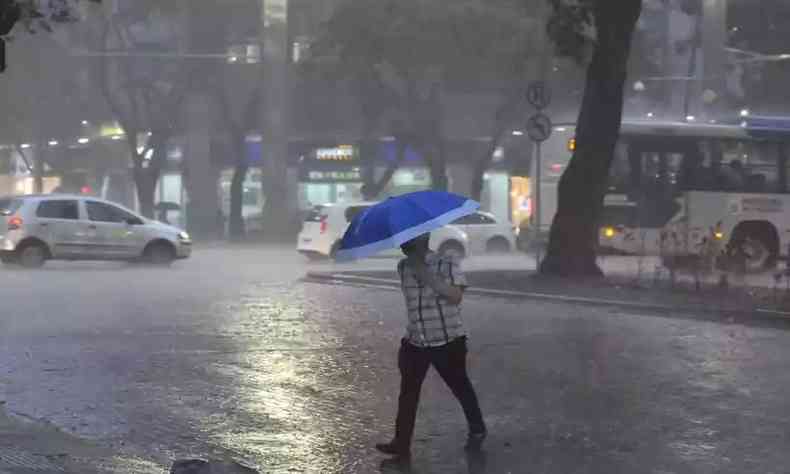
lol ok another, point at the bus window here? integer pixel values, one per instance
(744, 166)
(658, 171)
(619, 171)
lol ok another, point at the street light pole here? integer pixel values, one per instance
(714, 43)
(537, 213)
(274, 113)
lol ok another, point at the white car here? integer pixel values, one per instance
(325, 225)
(486, 234)
(34, 229)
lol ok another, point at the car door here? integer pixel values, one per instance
(116, 235)
(58, 224)
(488, 228)
(476, 231)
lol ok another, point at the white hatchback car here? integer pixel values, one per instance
(486, 234)
(34, 229)
(325, 225)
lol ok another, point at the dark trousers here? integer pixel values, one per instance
(450, 361)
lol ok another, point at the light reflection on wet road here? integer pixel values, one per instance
(230, 355)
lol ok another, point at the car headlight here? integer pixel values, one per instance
(183, 236)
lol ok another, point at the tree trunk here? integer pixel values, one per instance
(38, 169)
(236, 224)
(145, 181)
(439, 180)
(367, 153)
(204, 213)
(146, 177)
(275, 120)
(574, 231)
(507, 112)
(482, 164)
(277, 226)
(373, 187)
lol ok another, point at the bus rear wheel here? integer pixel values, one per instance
(754, 248)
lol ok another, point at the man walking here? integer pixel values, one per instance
(433, 287)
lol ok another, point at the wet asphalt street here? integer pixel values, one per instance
(229, 354)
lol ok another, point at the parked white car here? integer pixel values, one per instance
(325, 225)
(34, 229)
(486, 234)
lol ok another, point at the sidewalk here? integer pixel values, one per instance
(629, 282)
(30, 446)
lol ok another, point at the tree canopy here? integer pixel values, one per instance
(405, 57)
(33, 16)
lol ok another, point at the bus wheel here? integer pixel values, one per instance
(758, 254)
(754, 248)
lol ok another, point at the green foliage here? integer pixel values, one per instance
(35, 15)
(435, 40)
(572, 27)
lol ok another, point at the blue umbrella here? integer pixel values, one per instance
(399, 219)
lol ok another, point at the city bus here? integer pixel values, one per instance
(676, 186)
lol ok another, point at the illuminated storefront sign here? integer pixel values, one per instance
(110, 129)
(339, 153)
(348, 175)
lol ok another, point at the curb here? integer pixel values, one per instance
(391, 284)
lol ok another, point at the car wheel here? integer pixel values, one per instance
(160, 253)
(452, 249)
(498, 245)
(32, 255)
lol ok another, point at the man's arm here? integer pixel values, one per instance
(452, 293)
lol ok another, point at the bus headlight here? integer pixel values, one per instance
(609, 232)
(718, 234)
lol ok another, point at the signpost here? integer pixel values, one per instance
(539, 94)
(539, 128)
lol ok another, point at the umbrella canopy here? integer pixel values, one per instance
(399, 219)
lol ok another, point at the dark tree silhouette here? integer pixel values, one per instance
(33, 16)
(574, 231)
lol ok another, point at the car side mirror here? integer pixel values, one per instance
(134, 221)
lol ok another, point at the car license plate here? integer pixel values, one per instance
(306, 240)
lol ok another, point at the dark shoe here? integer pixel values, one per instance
(394, 449)
(474, 441)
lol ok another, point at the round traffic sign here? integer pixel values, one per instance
(539, 127)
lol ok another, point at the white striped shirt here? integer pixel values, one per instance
(432, 320)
